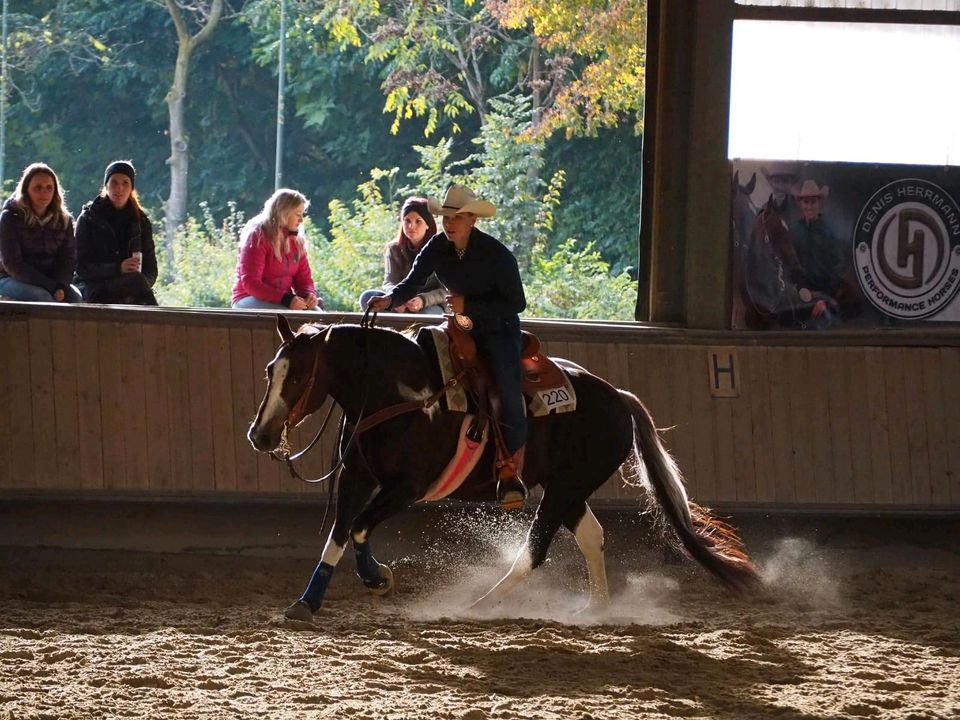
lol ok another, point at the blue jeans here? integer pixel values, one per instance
(251, 303)
(501, 350)
(367, 295)
(16, 290)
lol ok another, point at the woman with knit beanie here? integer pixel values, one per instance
(116, 258)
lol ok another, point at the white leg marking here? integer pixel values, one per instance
(331, 551)
(589, 534)
(360, 537)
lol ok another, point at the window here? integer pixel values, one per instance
(857, 92)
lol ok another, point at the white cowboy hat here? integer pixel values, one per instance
(782, 168)
(460, 199)
(810, 189)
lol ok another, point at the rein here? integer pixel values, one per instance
(362, 425)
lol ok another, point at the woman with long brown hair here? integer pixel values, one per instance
(417, 226)
(117, 261)
(38, 253)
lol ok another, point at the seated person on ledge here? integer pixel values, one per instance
(416, 227)
(273, 272)
(37, 249)
(117, 262)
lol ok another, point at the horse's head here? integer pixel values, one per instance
(297, 385)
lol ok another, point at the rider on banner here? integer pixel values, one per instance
(486, 295)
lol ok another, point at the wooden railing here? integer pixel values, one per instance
(156, 403)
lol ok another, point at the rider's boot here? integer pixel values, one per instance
(511, 492)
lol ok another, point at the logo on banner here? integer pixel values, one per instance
(907, 249)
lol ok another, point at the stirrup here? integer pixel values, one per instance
(511, 493)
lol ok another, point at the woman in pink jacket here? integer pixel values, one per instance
(273, 272)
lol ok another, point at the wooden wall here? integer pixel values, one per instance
(109, 401)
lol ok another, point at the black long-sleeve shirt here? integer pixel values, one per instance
(487, 277)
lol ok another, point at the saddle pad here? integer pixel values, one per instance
(456, 397)
(542, 402)
(460, 466)
(556, 400)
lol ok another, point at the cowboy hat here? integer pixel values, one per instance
(781, 168)
(810, 189)
(460, 199)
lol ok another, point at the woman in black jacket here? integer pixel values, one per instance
(37, 249)
(116, 260)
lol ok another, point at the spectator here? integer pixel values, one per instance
(416, 227)
(38, 252)
(273, 272)
(117, 261)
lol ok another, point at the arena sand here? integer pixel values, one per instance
(861, 622)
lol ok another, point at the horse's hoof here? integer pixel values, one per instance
(299, 611)
(383, 586)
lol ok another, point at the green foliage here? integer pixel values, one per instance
(71, 61)
(352, 260)
(206, 262)
(576, 283)
(572, 281)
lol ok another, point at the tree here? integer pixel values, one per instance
(598, 52)
(438, 60)
(207, 13)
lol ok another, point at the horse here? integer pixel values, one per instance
(388, 466)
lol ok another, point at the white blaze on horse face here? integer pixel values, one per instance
(274, 406)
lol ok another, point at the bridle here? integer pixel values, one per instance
(363, 422)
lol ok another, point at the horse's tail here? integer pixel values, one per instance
(711, 542)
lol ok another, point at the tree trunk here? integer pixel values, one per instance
(176, 205)
(175, 208)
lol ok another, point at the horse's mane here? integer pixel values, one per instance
(383, 342)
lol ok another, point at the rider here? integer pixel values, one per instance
(486, 295)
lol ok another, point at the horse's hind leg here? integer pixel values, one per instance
(530, 556)
(589, 534)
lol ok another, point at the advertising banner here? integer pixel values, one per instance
(826, 245)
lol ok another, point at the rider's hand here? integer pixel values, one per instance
(415, 304)
(313, 302)
(379, 304)
(59, 294)
(129, 265)
(455, 303)
(819, 308)
(298, 303)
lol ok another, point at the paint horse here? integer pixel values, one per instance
(395, 463)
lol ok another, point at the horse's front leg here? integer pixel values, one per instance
(392, 498)
(353, 492)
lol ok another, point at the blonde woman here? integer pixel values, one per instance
(38, 253)
(273, 272)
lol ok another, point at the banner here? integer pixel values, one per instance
(826, 245)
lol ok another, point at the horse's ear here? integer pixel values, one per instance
(283, 328)
(748, 188)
